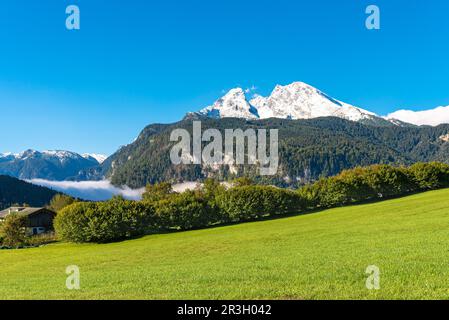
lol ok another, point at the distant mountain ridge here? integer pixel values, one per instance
(294, 101)
(49, 165)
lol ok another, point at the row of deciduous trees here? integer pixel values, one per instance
(162, 210)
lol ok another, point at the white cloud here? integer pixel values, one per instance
(432, 117)
(188, 185)
(90, 190)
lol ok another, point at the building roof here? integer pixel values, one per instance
(20, 210)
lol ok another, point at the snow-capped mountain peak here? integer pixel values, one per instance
(302, 101)
(297, 100)
(6, 154)
(98, 157)
(232, 105)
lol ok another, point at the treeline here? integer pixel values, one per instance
(163, 210)
(375, 182)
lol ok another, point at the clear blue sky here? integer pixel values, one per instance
(137, 62)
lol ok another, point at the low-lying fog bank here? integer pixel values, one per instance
(100, 190)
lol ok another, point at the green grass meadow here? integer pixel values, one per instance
(316, 256)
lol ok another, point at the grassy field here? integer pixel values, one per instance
(317, 256)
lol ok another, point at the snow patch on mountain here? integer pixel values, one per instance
(302, 101)
(231, 105)
(98, 157)
(61, 155)
(8, 155)
(48, 164)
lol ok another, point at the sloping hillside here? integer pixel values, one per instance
(321, 255)
(14, 191)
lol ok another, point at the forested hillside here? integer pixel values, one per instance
(14, 191)
(308, 149)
